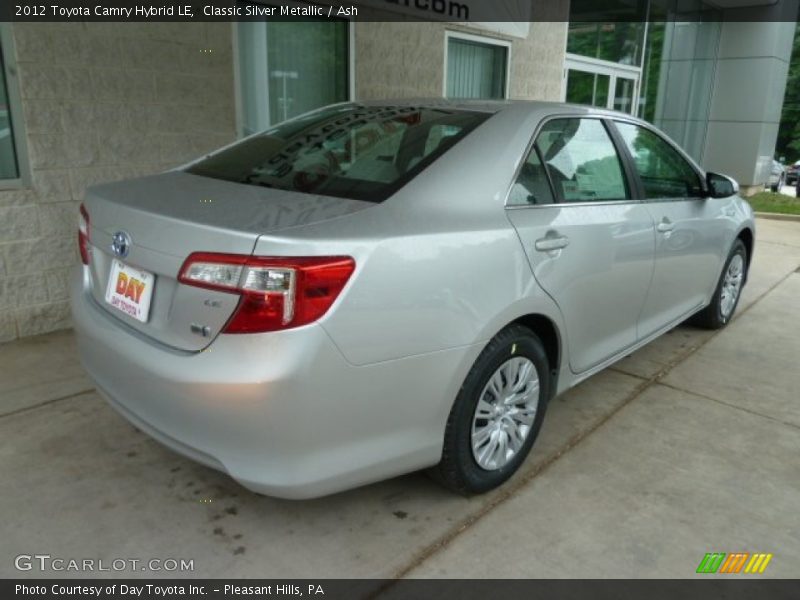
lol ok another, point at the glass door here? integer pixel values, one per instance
(605, 85)
(588, 88)
(624, 94)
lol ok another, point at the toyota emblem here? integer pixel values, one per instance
(121, 244)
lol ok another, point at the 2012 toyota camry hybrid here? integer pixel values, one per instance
(375, 288)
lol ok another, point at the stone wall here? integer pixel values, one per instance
(403, 59)
(101, 101)
(537, 63)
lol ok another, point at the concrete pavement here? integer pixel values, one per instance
(690, 445)
(706, 459)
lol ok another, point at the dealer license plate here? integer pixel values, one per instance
(130, 290)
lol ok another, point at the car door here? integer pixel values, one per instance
(688, 233)
(590, 245)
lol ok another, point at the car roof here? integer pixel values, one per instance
(495, 106)
(481, 105)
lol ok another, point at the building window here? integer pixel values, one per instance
(603, 65)
(586, 87)
(595, 83)
(476, 67)
(13, 160)
(288, 68)
(612, 42)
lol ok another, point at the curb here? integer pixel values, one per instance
(777, 216)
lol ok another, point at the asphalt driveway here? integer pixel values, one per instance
(690, 445)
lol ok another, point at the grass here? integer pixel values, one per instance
(774, 203)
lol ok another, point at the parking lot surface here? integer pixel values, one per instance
(690, 445)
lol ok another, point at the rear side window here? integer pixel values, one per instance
(582, 161)
(663, 171)
(351, 151)
(531, 185)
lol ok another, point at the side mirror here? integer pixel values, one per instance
(721, 186)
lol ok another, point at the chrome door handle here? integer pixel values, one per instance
(665, 226)
(548, 244)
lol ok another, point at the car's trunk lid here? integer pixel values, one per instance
(167, 217)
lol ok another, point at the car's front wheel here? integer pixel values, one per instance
(729, 289)
(497, 413)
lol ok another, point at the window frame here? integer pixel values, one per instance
(623, 149)
(238, 95)
(630, 178)
(478, 39)
(10, 70)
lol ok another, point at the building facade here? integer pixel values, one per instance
(82, 103)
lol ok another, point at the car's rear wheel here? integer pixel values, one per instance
(729, 289)
(497, 413)
(778, 186)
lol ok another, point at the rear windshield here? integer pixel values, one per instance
(349, 151)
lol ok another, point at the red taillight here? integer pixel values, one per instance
(83, 235)
(277, 292)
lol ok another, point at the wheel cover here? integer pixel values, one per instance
(505, 413)
(731, 286)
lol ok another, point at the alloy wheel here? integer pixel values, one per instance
(731, 286)
(505, 413)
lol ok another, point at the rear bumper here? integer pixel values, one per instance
(283, 413)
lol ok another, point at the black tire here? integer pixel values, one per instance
(711, 316)
(458, 469)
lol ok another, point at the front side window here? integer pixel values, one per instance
(349, 151)
(582, 161)
(663, 171)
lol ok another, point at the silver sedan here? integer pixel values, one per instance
(376, 288)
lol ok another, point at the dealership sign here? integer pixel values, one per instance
(510, 17)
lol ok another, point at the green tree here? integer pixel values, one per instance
(788, 143)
